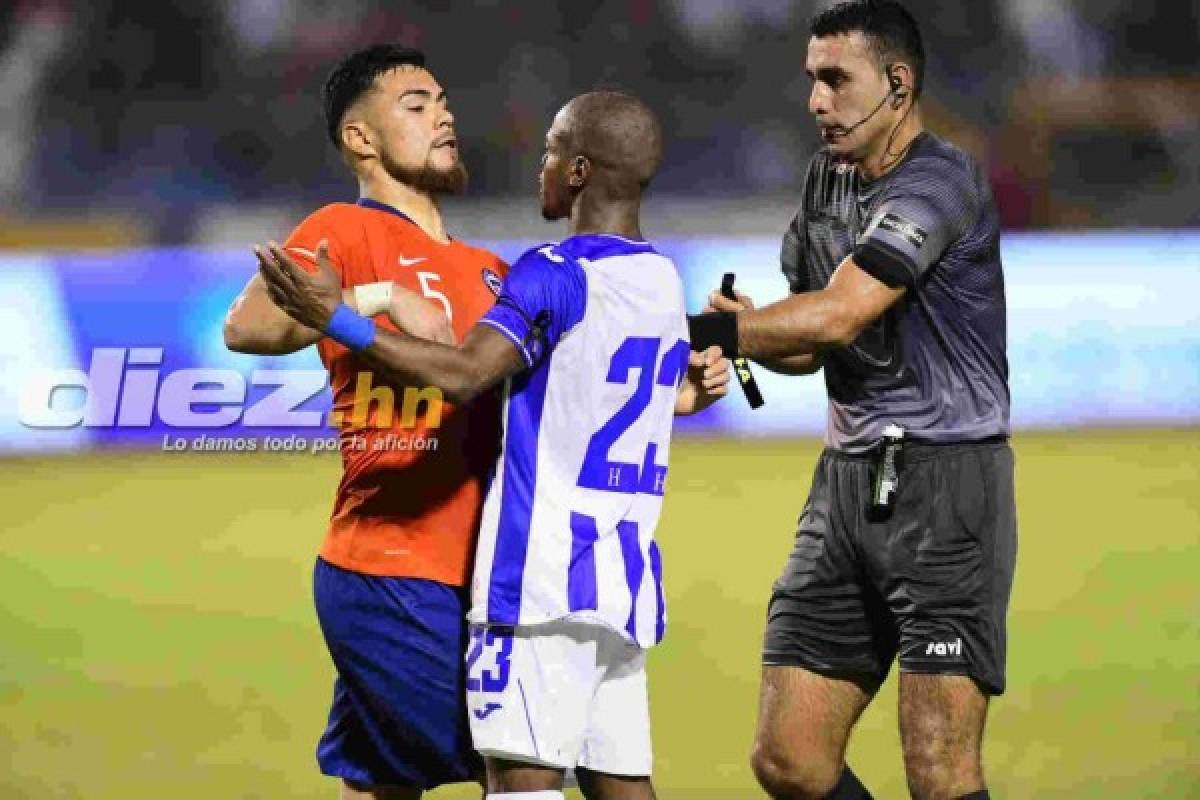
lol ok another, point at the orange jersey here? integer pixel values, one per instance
(415, 466)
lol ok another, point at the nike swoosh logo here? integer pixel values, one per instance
(309, 254)
(408, 262)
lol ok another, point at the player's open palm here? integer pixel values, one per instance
(416, 316)
(705, 382)
(310, 298)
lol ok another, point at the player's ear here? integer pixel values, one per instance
(580, 172)
(357, 138)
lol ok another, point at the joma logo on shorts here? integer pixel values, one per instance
(944, 648)
(482, 713)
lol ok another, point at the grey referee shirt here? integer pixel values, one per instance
(935, 363)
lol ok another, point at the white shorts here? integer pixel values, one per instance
(560, 694)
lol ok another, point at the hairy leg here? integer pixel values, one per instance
(941, 730)
(804, 723)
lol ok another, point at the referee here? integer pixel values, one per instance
(907, 544)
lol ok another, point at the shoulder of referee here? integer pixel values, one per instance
(944, 174)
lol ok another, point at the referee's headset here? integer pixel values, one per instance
(897, 93)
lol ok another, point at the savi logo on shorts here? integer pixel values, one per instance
(954, 648)
(914, 233)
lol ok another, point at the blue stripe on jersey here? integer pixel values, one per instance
(512, 337)
(635, 566)
(594, 246)
(526, 398)
(367, 202)
(581, 572)
(660, 617)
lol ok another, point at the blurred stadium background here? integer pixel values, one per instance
(157, 630)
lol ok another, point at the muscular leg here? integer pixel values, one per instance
(602, 786)
(355, 791)
(941, 730)
(804, 723)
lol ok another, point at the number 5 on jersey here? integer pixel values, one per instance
(427, 279)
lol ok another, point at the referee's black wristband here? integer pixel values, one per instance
(716, 327)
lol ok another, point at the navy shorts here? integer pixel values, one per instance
(399, 713)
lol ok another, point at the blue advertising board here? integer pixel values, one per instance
(125, 348)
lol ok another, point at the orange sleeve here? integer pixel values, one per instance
(332, 224)
(337, 226)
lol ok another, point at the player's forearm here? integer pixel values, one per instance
(803, 364)
(802, 325)
(256, 325)
(403, 360)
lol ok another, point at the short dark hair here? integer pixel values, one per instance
(355, 75)
(890, 31)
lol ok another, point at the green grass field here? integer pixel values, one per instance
(159, 640)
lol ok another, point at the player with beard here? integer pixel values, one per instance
(389, 581)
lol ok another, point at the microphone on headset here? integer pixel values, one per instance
(896, 86)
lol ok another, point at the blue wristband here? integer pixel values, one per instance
(350, 329)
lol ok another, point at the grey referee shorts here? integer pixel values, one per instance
(930, 584)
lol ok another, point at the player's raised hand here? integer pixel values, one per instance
(416, 316)
(719, 302)
(705, 382)
(307, 297)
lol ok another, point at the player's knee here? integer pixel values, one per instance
(793, 775)
(936, 768)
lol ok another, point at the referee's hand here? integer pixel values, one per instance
(719, 302)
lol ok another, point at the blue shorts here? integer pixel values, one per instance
(399, 713)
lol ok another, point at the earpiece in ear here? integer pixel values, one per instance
(898, 91)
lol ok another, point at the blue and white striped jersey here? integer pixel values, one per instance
(568, 523)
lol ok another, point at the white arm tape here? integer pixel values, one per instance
(373, 298)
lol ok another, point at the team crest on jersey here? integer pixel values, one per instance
(493, 281)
